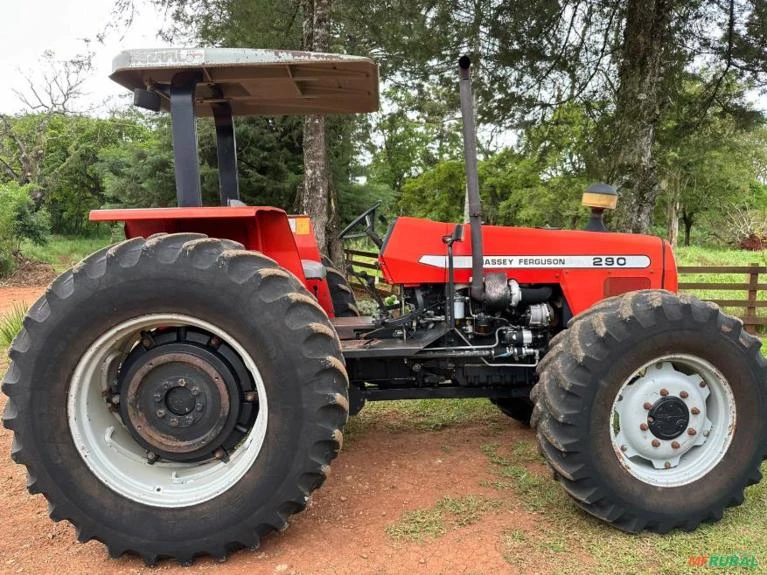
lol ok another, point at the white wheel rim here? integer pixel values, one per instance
(117, 460)
(706, 437)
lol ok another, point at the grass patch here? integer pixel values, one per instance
(417, 525)
(62, 252)
(708, 256)
(536, 491)
(426, 415)
(699, 256)
(448, 512)
(10, 324)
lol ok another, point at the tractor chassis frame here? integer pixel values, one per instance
(393, 368)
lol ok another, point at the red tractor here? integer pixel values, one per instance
(183, 392)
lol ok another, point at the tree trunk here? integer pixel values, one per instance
(637, 112)
(315, 192)
(688, 221)
(673, 223)
(672, 210)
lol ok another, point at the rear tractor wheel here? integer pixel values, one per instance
(652, 411)
(176, 397)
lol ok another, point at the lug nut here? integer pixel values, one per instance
(643, 426)
(655, 443)
(624, 448)
(195, 391)
(664, 392)
(691, 431)
(157, 396)
(695, 411)
(683, 394)
(182, 382)
(198, 406)
(675, 444)
(160, 413)
(647, 405)
(702, 383)
(705, 433)
(173, 421)
(667, 465)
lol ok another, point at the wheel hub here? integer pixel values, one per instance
(181, 401)
(106, 439)
(672, 420)
(180, 398)
(668, 418)
(662, 415)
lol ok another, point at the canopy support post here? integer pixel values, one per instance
(182, 91)
(226, 146)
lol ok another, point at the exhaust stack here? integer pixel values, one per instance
(472, 179)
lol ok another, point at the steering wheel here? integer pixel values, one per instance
(369, 218)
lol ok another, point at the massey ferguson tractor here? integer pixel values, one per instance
(183, 392)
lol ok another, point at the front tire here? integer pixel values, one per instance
(237, 336)
(652, 411)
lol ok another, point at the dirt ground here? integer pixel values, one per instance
(18, 296)
(381, 473)
(30, 274)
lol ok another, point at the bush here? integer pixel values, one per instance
(18, 221)
(11, 324)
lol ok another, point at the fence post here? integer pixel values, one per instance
(753, 281)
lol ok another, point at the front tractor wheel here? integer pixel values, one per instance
(652, 411)
(176, 397)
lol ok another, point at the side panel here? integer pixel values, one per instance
(588, 266)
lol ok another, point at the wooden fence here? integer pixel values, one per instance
(745, 308)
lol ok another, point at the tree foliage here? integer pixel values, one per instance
(18, 221)
(655, 96)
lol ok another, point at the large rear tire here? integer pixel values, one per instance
(652, 411)
(176, 397)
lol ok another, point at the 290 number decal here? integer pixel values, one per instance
(608, 261)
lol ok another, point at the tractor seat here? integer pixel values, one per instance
(314, 270)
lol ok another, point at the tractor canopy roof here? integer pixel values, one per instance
(254, 82)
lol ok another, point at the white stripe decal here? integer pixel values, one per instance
(543, 262)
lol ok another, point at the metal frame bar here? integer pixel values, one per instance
(182, 92)
(226, 146)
